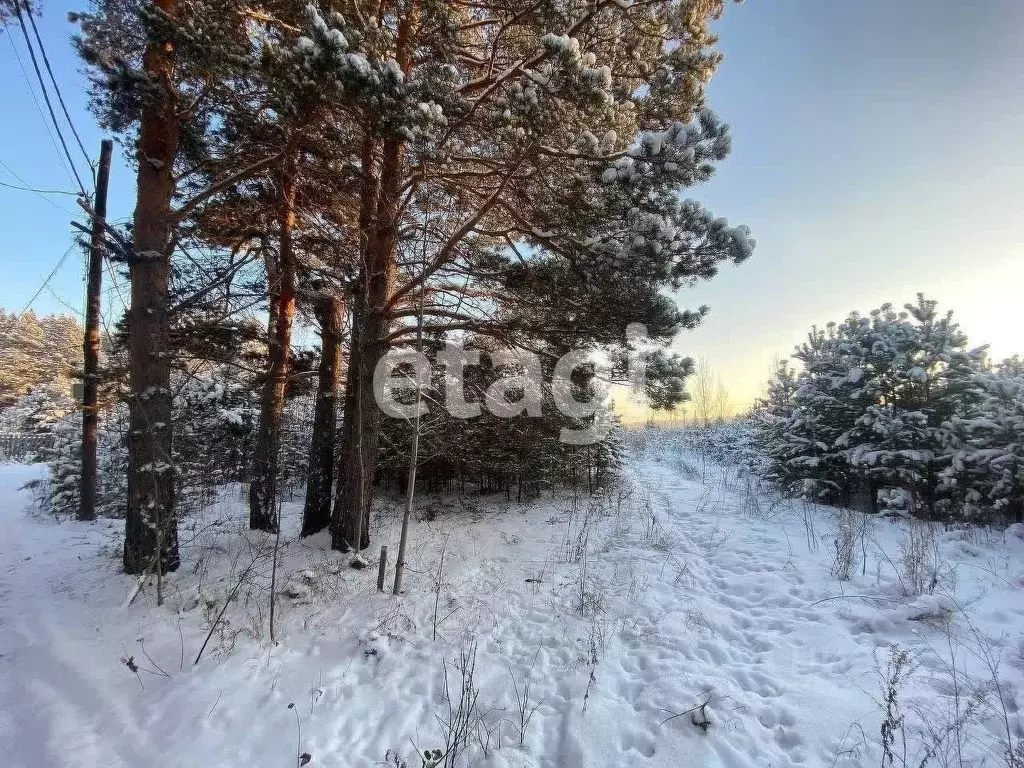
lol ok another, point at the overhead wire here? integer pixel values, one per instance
(70, 164)
(37, 190)
(60, 299)
(40, 193)
(60, 96)
(38, 106)
(49, 277)
(46, 96)
(20, 12)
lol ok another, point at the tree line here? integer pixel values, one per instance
(39, 357)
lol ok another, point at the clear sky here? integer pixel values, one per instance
(35, 231)
(878, 152)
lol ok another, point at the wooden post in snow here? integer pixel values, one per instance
(382, 568)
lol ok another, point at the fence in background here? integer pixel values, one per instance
(16, 446)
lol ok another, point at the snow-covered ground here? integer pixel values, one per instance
(685, 619)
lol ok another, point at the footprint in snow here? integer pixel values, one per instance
(639, 742)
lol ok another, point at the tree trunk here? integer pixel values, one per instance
(316, 515)
(263, 485)
(350, 492)
(378, 222)
(352, 506)
(348, 437)
(360, 442)
(151, 532)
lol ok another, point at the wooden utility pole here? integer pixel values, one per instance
(91, 345)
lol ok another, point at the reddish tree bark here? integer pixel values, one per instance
(378, 223)
(263, 484)
(151, 532)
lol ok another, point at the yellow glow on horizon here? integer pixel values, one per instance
(988, 303)
(986, 297)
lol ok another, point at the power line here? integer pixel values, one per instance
(38, 106)
(56, 88)
(38, 192)
(46, 95)
(49, 277)
(53, 293)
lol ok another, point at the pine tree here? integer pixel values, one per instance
(806, 458)
(39, 410)
(62, 348)
(59, 493)
(915, 372)
(303, 97)
(215, 417)
(770, 416)
(482, 130)
(987, 452)
(518, 456)
(65, 464)
(1011, 366)
(22, 356)
(468, 141)
(872, 409)
(37, 353)
(160, 71)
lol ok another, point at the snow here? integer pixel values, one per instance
(359, 63)
(689, 619)
(562, 44)
(599, 77)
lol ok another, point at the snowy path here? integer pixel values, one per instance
(760, 639)
(619, 614)
(726, 618)
(55, 700)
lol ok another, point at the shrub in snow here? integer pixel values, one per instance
(847, 529)
(923, 568)
(732, 442)
(38, 411)
(889, 404)
(213, 431)
(898, 670)
(214, 424)
(936, 609)
(58, 493)
(703, 717)
(987, 446)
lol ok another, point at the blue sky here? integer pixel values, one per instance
(34, 229)
(878, 151)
